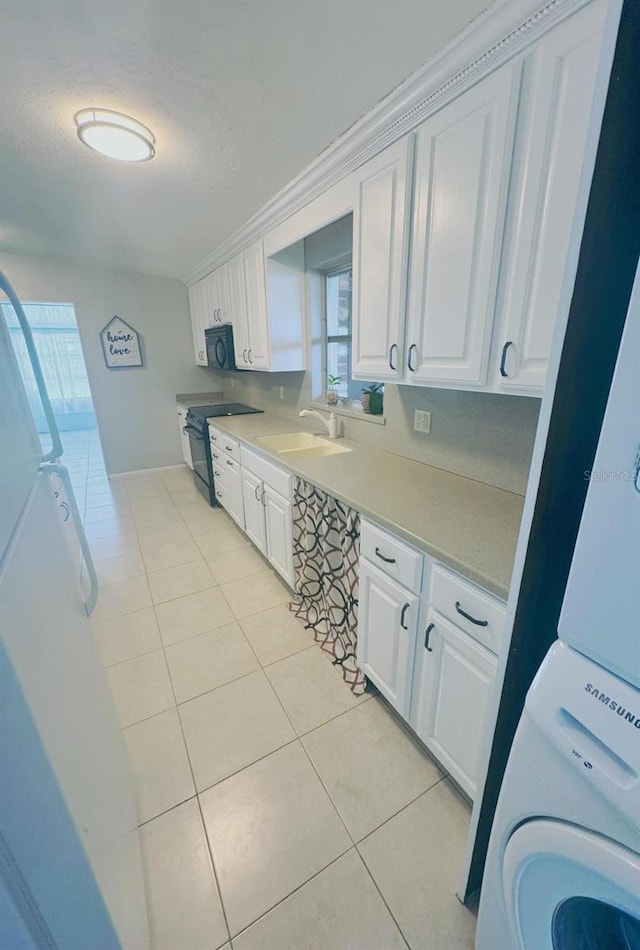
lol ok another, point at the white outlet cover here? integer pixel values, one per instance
(422, 421)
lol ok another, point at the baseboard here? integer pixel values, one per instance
(148, 471)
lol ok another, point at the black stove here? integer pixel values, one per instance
(196, 428)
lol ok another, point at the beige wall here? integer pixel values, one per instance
(483, 436)
(135, 407)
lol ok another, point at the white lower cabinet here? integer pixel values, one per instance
(278, 515)
(254, 521)
(451, 697)
(268, 513)
(387, 625)
(233, 501)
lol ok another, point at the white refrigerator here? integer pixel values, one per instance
(70, 862)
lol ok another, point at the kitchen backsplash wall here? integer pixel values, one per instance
(480, 435)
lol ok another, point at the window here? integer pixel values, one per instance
(338, 352)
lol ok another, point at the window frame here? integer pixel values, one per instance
(345, 267)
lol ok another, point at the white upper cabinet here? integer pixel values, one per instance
(198, 311)
(563, 74)
(462, 167)
(238, 309)
(256, 296)
(381, 216)
(208, 306)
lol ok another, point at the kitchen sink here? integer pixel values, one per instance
(301, 445)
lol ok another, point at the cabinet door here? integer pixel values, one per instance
(257, 319)
(279, 524)
(238, 310)
(254, 521)
(234, 501)
(197, 312)
(562, 82)
(387, 623)
(462, 166)
(380, 245)
(457, 674)
(222, 295)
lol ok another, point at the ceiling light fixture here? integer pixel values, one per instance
(115, 135)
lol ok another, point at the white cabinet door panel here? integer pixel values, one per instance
(197, 309)
(564, 71)
(279, 525)
(234, 502)
(257, 318)
(463, 161)
(238, 310)
(457, 674)
(380, 246)
(387, 623)
(254, 522)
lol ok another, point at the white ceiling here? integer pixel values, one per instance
(241, 95)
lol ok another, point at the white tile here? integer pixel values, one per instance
(339, 909)
(187, 496)
(141, 687)
(250, 595)
(271, 827)
(196, 507)
(178, 581)
(120, 567)
(233, 565)
(249, 711)
(177, 479)
(144, 486)
(369, 766)
(226, 538)
(117, 524)
(122, 597)
(152, 536)
(182, 897)
(107, 512)
(206, 661)
(168, 553)
(160, 517)
(208, 522)
(114, 545)
(161, 773)
(275, 633)
(124, 638)
(415, 859)
(196, 613)
(142, 506)
(311, 689)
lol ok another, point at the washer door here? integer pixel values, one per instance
(567, 888)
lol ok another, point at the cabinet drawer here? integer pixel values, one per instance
(221, 493)
(219, 474)
(276, 478)
(391, 555)
(470, 608)
(221, 442)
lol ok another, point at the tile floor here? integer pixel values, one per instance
(278, 812)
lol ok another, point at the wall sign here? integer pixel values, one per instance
(120, 344)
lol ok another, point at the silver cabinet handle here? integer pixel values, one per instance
(463, 613)
(413, 347)
(244, 355)
(394, 346)
(63, 474)
(264, 495)
(250, 352)
(256, 490)
(229, 462)
(56, 443)
(403, 615)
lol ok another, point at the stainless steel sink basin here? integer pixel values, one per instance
(301, 445)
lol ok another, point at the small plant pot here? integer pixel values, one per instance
(332, 397)
(364, 399)
(375, 404)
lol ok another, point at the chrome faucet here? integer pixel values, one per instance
(331, 424)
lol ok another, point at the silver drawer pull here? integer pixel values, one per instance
(427, 637)
(403, 615)
(387, 560)
(229, 463)
(463, 613)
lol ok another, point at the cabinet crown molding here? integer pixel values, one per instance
(503, 31)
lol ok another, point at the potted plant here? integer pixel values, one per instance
(372, 399)
(332, 395)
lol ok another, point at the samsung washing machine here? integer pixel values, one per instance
(563, 867)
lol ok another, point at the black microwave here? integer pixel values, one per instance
(219, 343)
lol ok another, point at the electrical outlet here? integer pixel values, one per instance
(282, 392)
(422, 421)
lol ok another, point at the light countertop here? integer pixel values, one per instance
(467, 525)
